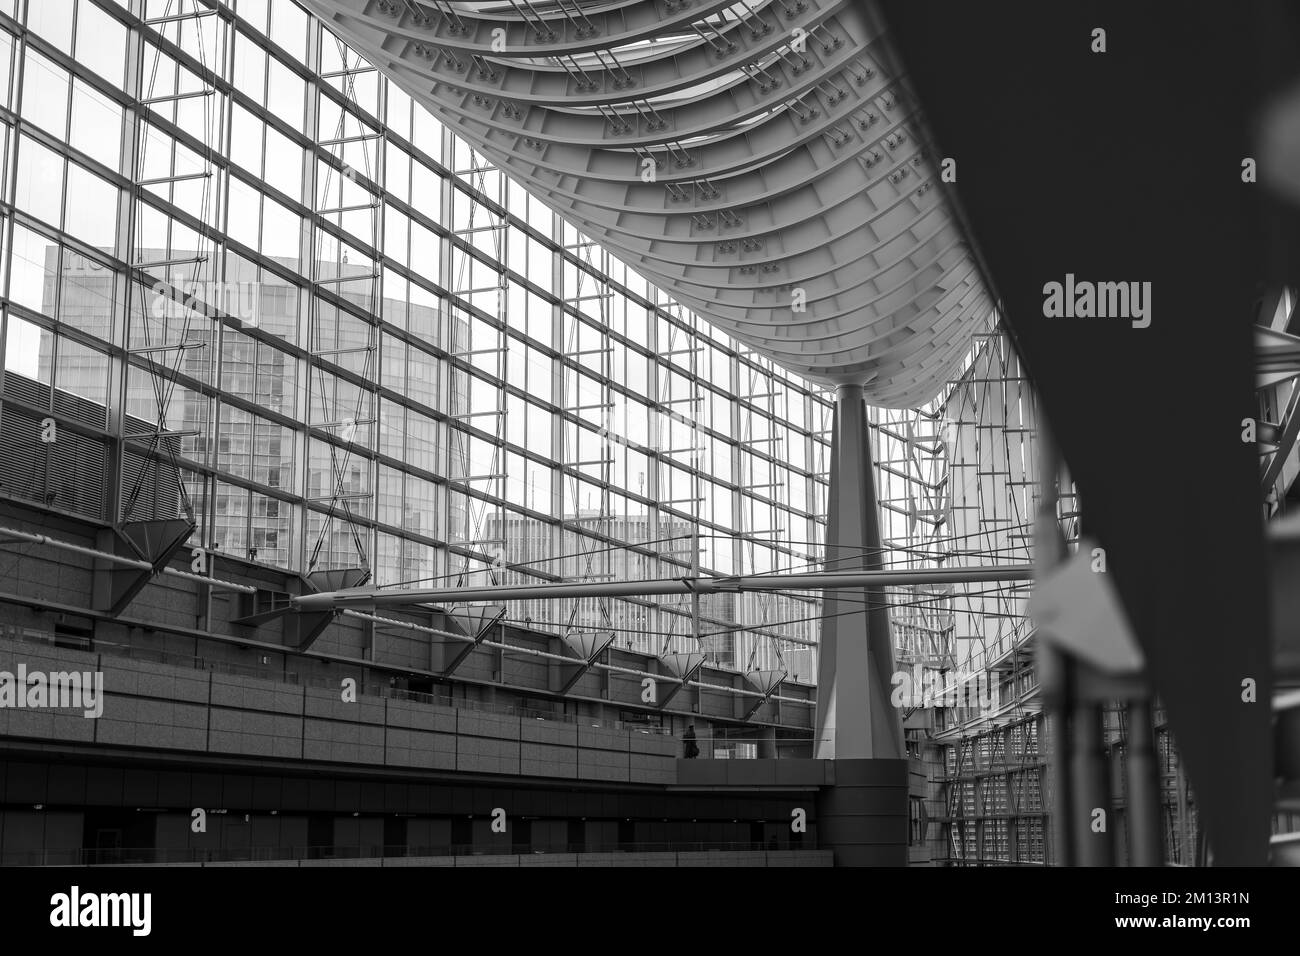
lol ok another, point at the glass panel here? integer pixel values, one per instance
(39, 188)
(45, 93)
(91, 209)
(52, 21)
(101, 42)
(96, 125)
(33, 270)
(29, 350)
(86, 290)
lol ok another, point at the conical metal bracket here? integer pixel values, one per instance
(765, 682)
(474, 621)
(300, 628)
(682, 666)
(154, 541)
(588, 645)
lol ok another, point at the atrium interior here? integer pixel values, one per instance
(565, 433)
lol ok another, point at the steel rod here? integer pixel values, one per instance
(805, 581)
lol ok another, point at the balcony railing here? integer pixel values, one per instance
(154, 656)
(711, 746)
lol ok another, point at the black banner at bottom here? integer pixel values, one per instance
(326, 904)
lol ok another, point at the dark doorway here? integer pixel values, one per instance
(394, 836)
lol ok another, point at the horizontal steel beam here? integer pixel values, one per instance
(805, 581)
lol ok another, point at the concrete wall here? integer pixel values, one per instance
(747, 858)
(49, 588)
(755, 773)
(864, 816)
(164, 707)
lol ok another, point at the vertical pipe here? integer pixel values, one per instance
(696, 491)
(1185, 837)
(1090, 787)
(1144, 829)
(1053, 669)
(1013, 759)
(1120, 842)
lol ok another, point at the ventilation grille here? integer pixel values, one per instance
(67, 474)
(72, 473)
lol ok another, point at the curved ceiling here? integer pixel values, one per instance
(763, 163)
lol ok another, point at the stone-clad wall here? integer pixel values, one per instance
(180, 709)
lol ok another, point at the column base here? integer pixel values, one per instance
(863, 817)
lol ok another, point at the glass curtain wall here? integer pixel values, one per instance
(251, 282)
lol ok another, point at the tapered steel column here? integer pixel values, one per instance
(856, 657)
